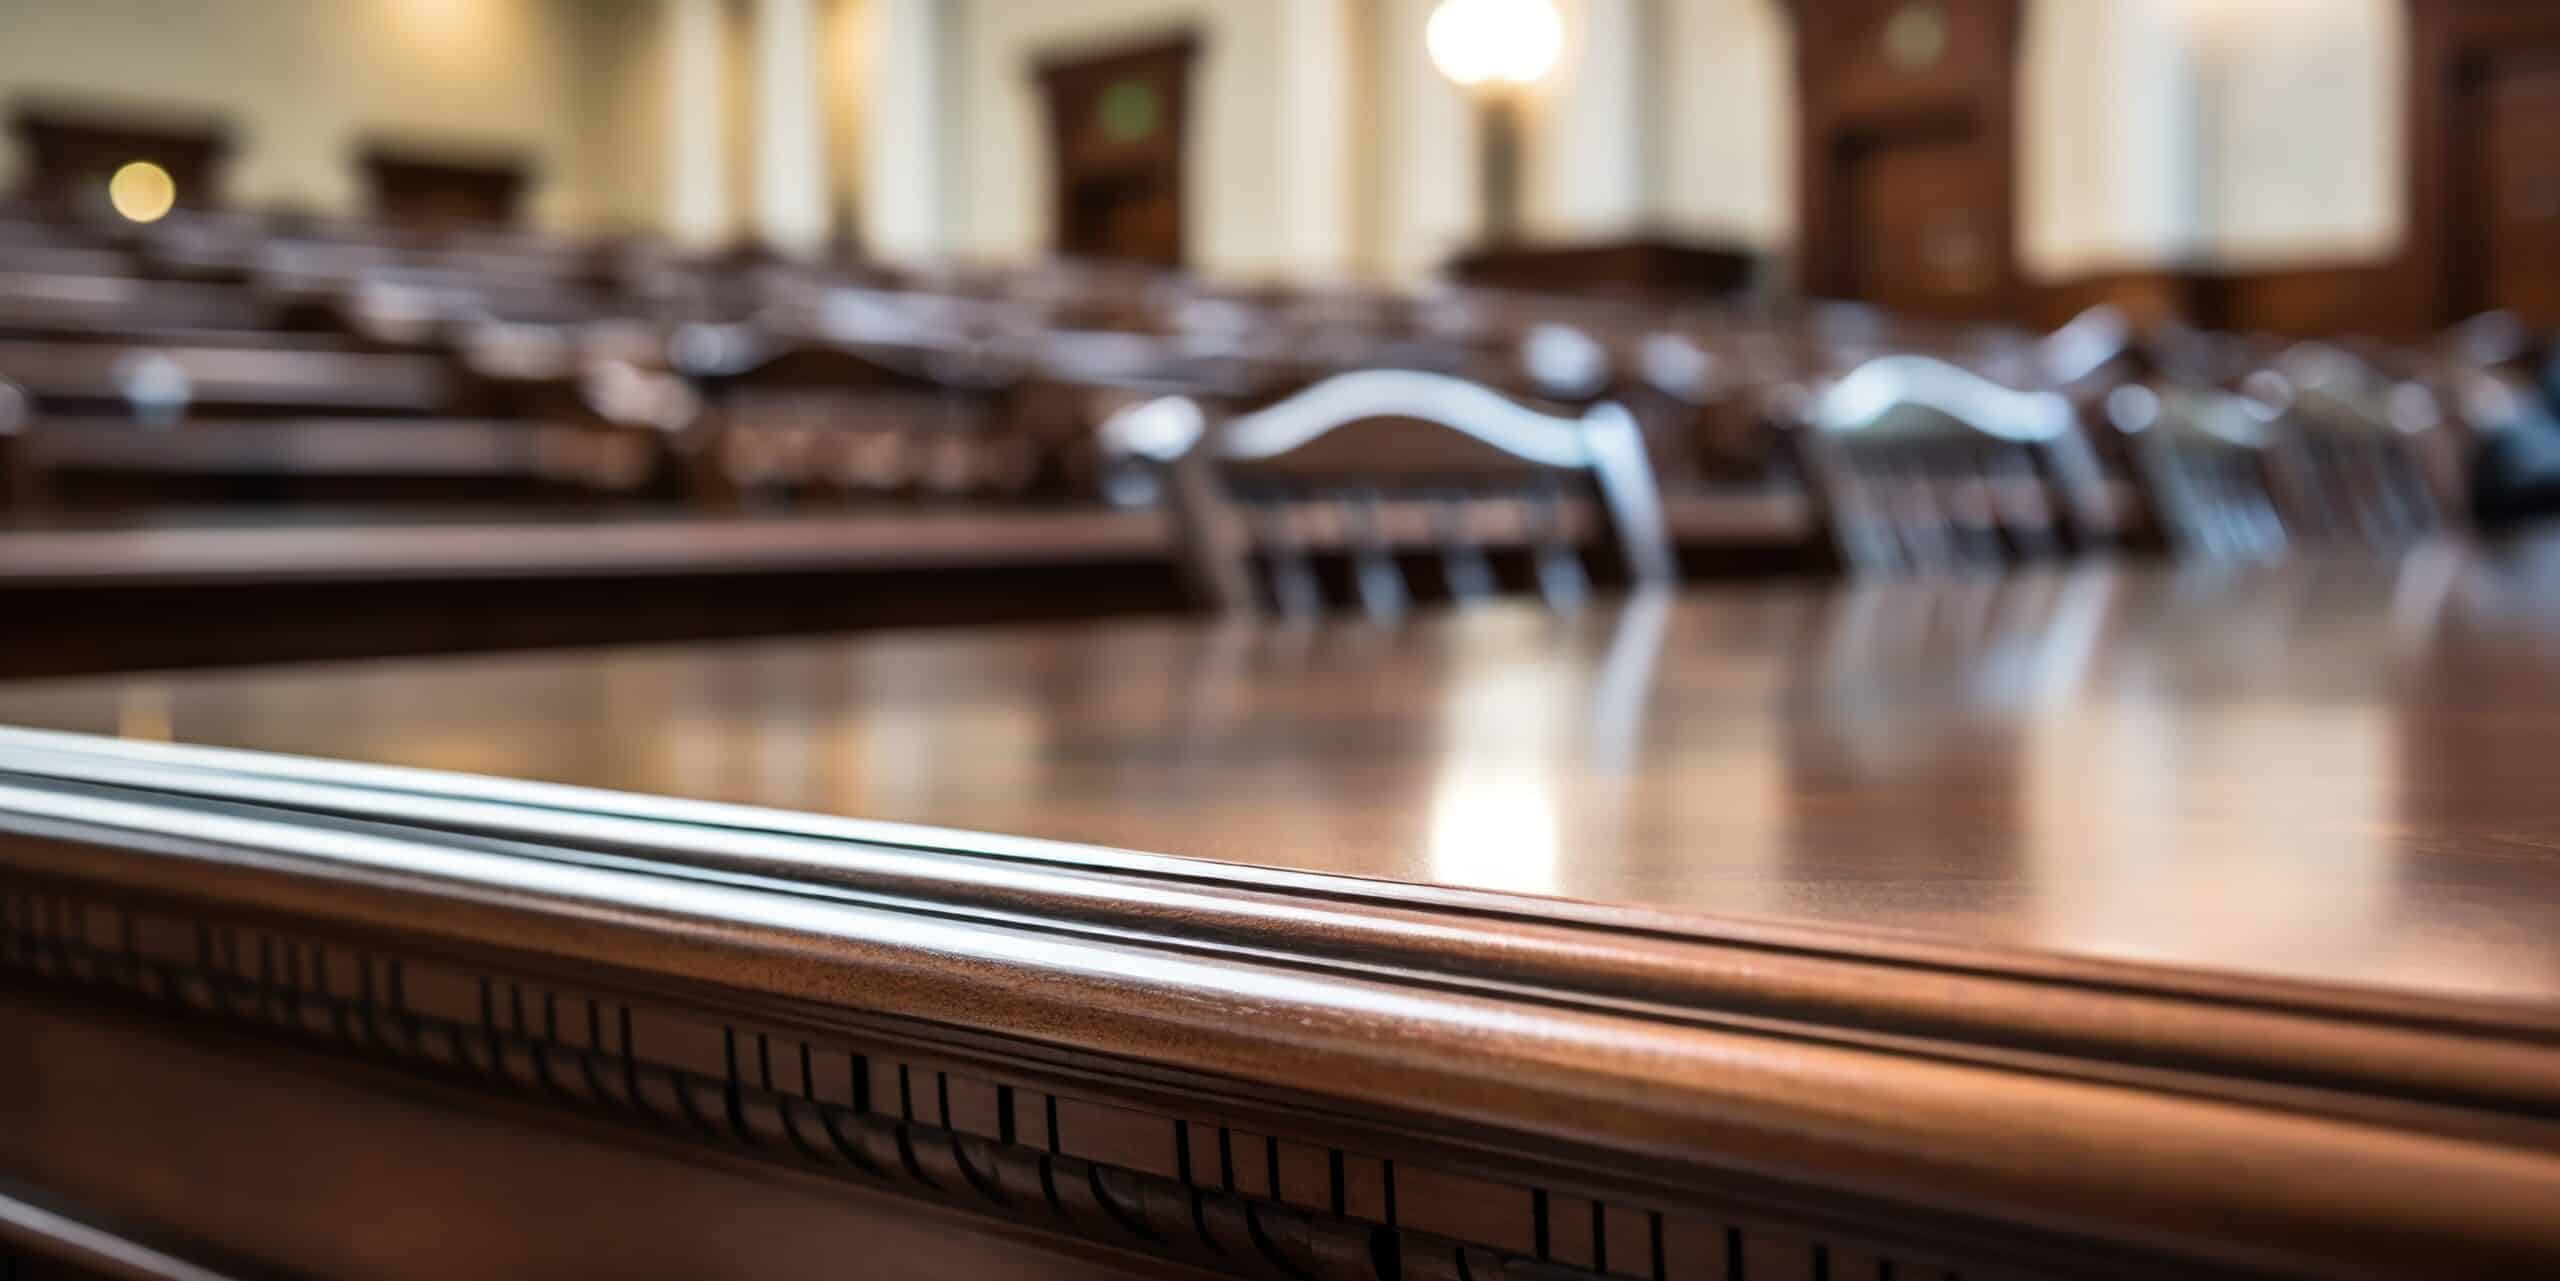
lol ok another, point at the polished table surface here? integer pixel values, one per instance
(2336, 770)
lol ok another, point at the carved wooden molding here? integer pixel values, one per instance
(1572, 1075)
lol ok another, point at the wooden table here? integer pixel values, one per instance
(353, 584)
(2109, 922)
(345, 585)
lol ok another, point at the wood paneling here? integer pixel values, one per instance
(2511, 182)
(2481, 83)
(473, 1194)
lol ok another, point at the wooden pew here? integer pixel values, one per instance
(72, 378)
(86, 306)
(307, 460)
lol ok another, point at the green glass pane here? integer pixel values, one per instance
(1130, 111)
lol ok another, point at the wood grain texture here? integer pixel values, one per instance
(295, 1167)
(2119, 761)
(41, 1242)
(260, 589)
(266, 591)
(1867, 1141)
(2347, 1067)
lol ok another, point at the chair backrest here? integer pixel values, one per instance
(1922, 465)
(2368, 458)
(793, 418)
(17, 471)
(2210, 464)
(1377, 467)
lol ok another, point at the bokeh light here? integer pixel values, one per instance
(142, 191)
(1513, 42)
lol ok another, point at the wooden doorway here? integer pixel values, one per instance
(2484, 177)
(2510, 188)
(1908, 171)
(1117, 132)
(1921, 234)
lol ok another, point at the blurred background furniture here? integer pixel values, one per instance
(1371, 469)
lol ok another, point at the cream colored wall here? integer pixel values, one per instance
(304, 80)
(2303, 159)
(1425, 174)
(1711, 80)
(846, 30)
(2234, 132)
(1729, 122)
(625, 113)
(2110, 137)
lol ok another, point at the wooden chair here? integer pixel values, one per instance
(793, 419)
(1921, 465)
(17, 470)
(2209, 464)
(1380, 466)
(2370, 459)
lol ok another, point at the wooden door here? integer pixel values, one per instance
(1920, 236)
(2511, 207)
(1908, 168)
(1116, 129)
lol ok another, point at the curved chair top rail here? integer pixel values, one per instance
(2192, 415)
(1604, 442)
(1911, 396)
(1166, 428)
(741, 351)
(1467, 408)
(2334, 390)
(2085, 344)
(2490, 339)
(1160, 430)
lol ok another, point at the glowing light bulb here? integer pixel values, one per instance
(142, 191)
(1506, 42)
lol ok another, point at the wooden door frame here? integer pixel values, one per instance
(2449, 40)
(1057, 68)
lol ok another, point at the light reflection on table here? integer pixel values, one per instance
(2338, 769)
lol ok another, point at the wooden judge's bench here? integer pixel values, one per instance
(2102, 922)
